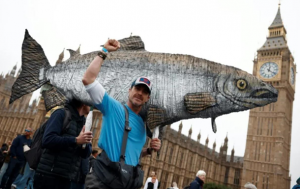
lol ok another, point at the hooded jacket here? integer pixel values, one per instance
(197, 184)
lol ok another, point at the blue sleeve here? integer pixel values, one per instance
(13, 148)
(51, 138)
(106, 103)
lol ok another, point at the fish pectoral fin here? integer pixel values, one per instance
(213, 124)
(196, 102)
(155, 116)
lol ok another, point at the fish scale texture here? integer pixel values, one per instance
(183, 86)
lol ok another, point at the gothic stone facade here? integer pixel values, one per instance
(268, 145)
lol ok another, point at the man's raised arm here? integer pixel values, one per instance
(94, 68)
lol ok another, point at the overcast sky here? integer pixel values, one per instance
(228, 32)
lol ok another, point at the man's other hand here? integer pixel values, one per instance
(155, 144)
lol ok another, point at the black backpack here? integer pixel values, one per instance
(34, 154)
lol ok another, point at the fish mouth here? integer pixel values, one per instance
(264, 94)
(258, 98)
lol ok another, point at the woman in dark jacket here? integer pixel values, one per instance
(199, 180)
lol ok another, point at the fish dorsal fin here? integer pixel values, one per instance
(72, 53)
(131, 43)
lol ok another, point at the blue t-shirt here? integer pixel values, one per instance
(113, 125)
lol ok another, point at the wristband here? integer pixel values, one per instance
(105, 50)
(102, 55)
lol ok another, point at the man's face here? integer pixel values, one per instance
(202, 177)
(139, 95)
(28, 132)
(9, 142)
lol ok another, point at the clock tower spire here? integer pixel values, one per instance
(268, 145)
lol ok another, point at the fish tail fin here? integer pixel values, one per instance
(34, 67)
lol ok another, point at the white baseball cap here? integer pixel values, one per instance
(142, 81)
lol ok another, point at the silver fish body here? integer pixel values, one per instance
(183, 86)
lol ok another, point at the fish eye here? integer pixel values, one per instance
(241, 84)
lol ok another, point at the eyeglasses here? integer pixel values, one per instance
(27, 130)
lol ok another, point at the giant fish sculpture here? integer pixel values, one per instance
(184, 86)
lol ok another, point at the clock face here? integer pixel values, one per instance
(268, 70)
(292, 76)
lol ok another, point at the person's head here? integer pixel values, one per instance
(95, 153)
(201, 175)
(140, 91)
(82, 108)
(249, 185)
(174, 184)
(28, 132)
(9, 142)
(4, 147)
(152, 174)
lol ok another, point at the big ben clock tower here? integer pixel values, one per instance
(268, 145)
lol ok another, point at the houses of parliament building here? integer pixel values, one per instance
(267, 154)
